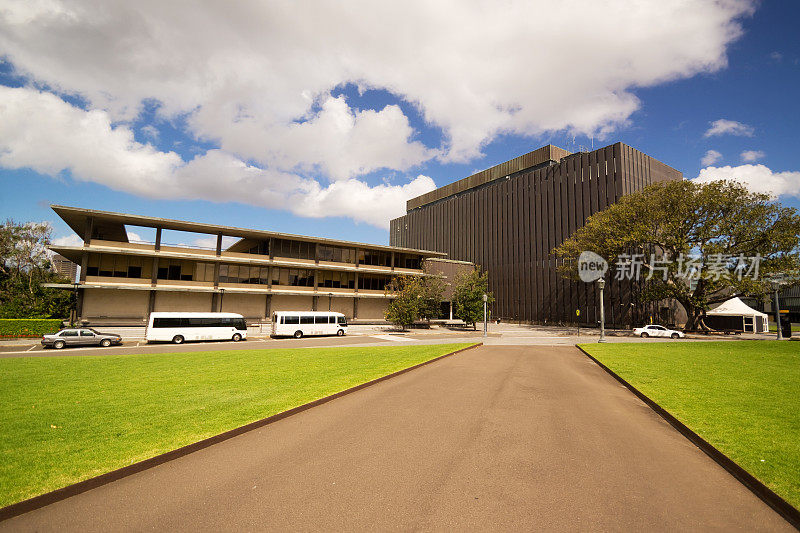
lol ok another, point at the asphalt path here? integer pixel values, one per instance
(499, 437)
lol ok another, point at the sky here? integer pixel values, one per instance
(324, 121)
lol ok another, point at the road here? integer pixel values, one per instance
(500, 437)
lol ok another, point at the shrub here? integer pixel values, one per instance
(28, 327)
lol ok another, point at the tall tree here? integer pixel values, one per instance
(700, 244)
(24, 266)
(416, 298)
(469, 288)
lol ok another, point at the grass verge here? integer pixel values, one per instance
(66, 419)
(740, 396)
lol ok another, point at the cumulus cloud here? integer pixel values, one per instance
(69, 240)
(710, 157)
(40, 131)
(250, 71)
(729, 127)
(750, 156)
(259, 81)
(757, 178)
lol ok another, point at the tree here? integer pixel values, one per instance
(719, 227)
(404, 309)
(24, 266)
(469, 288)
(416, 298)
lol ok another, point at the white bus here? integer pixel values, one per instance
(299, 323)
(179, 327)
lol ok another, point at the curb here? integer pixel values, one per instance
(16, 509)
(764, 493)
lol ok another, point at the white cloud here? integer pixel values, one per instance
(211, 242)
(751, 156)
(256, 77)
(729, 127)
(710, 157)
(69, 240)
(40, 131)
(757, 178)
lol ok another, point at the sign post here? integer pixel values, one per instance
(485, 327)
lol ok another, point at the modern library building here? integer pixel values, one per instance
(122, 282)
(507, 220)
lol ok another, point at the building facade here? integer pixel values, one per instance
(122, 282)
(507, 219)
(64, 267)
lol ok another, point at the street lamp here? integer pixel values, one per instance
(775, 286)
(485, 301)
(601, 284)
(75, 306)
(221, 296)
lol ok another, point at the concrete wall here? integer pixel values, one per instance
(252, 306)
(113, 303)
(183, 301)
(291, 303)
(372, 308)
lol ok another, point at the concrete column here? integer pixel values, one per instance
(392, 261)
(451, 310)
(84, 265)
(271, 248)
(79, 303)
(151, 304)
(214, 298)
(154, 274)
(158, 239)
(355, 307)
(216, 275)
(219, 244)
(87, 234)
(268, 307)
(314, 302)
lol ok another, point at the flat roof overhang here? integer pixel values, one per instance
(114, 224)
(227, 290)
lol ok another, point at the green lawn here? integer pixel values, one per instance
(65, 419)
(741, 396)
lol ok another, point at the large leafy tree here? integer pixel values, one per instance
(469, 288)
(415, 298)
(24, 267)
(698, 243)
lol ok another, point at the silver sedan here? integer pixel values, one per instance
(80, 337)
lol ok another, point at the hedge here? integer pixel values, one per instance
(28, 327)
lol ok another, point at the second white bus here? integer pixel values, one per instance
(300, 323)
(180, 327)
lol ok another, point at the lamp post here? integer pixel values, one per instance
(601, 284)
(777, 312)
(75, 306)
(221, 296)
(485, 324)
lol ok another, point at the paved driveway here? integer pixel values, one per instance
(497, 437)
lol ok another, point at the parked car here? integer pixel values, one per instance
(654, 330)
(80, 337)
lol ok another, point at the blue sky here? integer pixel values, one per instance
(292, 138)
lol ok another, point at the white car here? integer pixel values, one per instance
(658, 331)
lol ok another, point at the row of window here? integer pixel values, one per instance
(109, 265)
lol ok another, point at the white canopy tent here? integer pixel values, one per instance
(735, 314)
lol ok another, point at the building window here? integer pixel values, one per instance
(293, 277)
(373, 257)
(337, 280)
(294, 249)
(407, 261)
(373, 283)
(337, 254)
(117, 266)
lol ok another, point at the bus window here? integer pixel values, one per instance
(342, 321)
(291, 319)
(320, 319)
(306, 319)
(332, 319)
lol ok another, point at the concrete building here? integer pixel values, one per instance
(507, 219)
(121, 282)
(64, 267)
